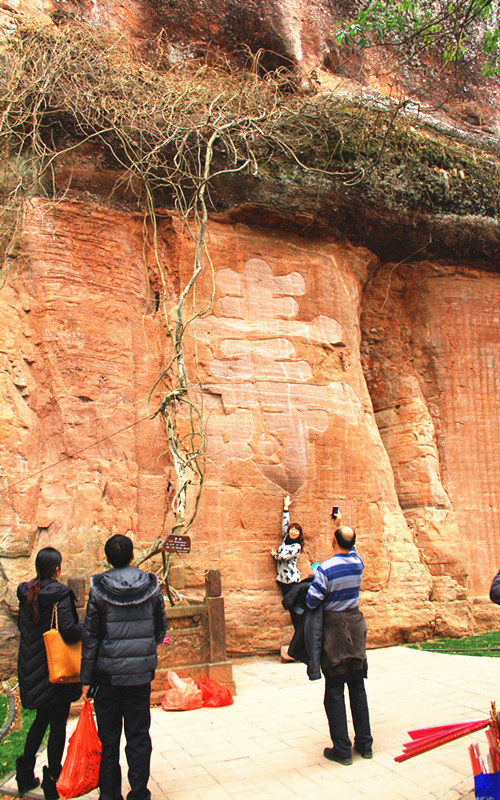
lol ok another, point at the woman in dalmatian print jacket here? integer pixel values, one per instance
(287, 573)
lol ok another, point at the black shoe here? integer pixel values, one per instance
(331, 754)
(49, 786)
(364, 753)
(25, 778)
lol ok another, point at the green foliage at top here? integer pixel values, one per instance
(484, 644)
(457, 30)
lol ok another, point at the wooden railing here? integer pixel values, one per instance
(198, 643)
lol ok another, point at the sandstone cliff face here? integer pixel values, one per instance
(409, 453)
(430, 349)
(328, 369)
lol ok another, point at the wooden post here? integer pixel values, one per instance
(216, 628)
(213, 587)
(216, 618)
(77, 586)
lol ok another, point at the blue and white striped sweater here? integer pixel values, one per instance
(337, 582)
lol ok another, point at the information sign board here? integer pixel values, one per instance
(175, 543)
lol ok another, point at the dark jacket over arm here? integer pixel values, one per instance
(307, 638)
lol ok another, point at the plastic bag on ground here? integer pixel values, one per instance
(214, 695)
(80, 772)
(183, 695)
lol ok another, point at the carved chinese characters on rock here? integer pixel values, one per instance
(270, 397)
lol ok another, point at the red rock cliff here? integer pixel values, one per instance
(409, 455)
(329, 370)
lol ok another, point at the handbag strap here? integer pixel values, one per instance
(54, 618)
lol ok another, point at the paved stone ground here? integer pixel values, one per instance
(269, 744)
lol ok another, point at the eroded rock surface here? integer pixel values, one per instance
(409, 456)
(431, 351)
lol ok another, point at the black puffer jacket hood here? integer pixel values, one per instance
(124, 586)
(35, 689)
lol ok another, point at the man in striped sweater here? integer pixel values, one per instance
(336, 586)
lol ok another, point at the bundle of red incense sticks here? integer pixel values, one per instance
(492, 764)
(423, 739)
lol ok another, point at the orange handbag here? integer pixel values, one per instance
(63, 659)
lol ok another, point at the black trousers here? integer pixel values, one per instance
(55, 717)
(130, 705)
(285, 588)
(336, 714)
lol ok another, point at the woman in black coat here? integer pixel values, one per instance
(51, 701)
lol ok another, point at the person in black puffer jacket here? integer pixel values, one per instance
(125, 620)
(51, 701)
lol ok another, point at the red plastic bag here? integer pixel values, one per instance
(183, 696)
(214, 694)
(80, 772)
